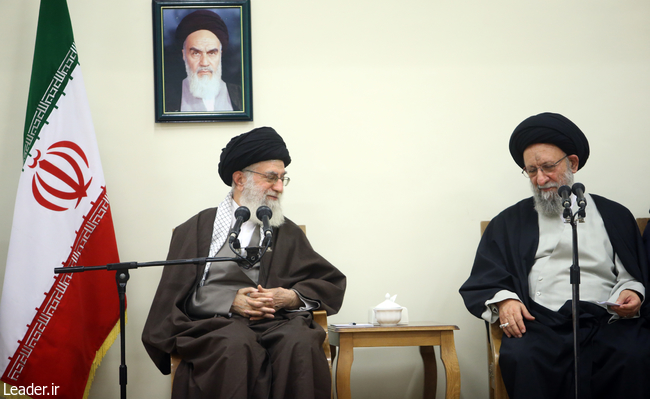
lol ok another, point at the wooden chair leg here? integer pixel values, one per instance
(494, 337)
(320, 317)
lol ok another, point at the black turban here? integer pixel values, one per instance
(258, 145)
(203, 20)
(549, 128)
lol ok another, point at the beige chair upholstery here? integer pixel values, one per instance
(494, 335)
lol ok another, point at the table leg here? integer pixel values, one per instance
(450, 360)
(343, 367)
(430, 372)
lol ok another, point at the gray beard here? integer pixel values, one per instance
(205, 86)
(252, 198)
(549, 203)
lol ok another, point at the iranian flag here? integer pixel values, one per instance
(55, 328)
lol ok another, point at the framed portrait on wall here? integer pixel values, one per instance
(202, 61)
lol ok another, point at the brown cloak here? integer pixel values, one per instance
(292, 263)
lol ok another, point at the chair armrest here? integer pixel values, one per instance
(496, 334)
(494, 337)
(320, 317)
(175, 360)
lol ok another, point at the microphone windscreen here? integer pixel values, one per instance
(564, 191)
(243, 212)
(578, 186)
(264, 211)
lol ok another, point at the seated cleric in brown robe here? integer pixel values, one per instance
(520, 279)
(242, 331)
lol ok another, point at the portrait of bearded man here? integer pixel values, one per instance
(203, 83)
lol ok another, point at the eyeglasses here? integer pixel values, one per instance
(531, 171)
(271, 178)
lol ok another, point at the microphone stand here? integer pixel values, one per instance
(573, 219)
(121, 279)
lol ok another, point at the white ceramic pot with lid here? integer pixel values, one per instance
(388, 313)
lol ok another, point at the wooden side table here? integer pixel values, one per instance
(426, 335)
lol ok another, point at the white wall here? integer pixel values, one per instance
(397, 116)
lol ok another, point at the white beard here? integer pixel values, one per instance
(549, 203)
(253, 197)
(206, 87)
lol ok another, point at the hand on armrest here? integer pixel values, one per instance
(511, 316)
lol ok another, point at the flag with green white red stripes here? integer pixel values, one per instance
(55, 328)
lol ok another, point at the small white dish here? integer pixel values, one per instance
(388, 313)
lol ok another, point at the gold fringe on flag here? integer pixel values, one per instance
(110, 339)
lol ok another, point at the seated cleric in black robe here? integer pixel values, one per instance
(520, 279)
(242, 331)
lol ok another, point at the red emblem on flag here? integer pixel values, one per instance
(60, 178)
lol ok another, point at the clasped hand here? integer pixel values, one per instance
(262, 303)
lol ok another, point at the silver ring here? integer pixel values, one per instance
(506, 324)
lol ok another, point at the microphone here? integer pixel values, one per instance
(264, 213)
(579, 190)
(242, 214)
(565, 193)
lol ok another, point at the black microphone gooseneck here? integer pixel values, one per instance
(565, 193)
(253, 253)
(264, 213)
(242, 214)
(579, 191)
